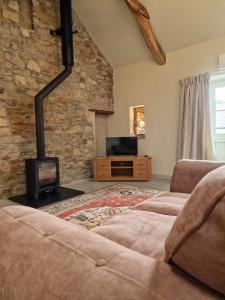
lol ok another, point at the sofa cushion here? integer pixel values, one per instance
(197, 241)
(165, 203)
(43, 257)
(141, 231)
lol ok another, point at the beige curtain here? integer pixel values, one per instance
(194, 133)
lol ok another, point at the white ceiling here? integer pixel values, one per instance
(177, 24)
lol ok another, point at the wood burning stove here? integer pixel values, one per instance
(42, 176)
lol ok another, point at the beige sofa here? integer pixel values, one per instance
(170, 247)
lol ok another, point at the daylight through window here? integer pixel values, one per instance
(217, 102)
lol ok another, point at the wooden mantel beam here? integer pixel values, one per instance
(143, 20)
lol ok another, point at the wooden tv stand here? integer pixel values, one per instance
(123, 168)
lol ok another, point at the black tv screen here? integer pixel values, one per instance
(121, 146)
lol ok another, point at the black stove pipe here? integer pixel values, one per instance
(66, 33)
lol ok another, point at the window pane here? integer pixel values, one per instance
(220, 98)
(220, 109)
(220, 94)
(220, 105)
(220, 120)
(220, 131)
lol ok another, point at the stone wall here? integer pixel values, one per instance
(29, 59)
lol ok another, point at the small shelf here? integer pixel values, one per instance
(102, 112)
(121, 163)
(122, 167)
(122, 171)
(122, 177)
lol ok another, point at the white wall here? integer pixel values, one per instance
(101, 132)
(157, 88)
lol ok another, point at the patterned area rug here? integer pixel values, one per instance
(94, 209)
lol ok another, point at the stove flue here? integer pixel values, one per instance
(42, 174)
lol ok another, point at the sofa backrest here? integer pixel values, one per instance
(188, 173)
(196, 242)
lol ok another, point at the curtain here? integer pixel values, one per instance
(194, 133)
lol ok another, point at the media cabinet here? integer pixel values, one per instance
(125, 168)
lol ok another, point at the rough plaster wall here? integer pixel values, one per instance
(29, 59)
(101, 131)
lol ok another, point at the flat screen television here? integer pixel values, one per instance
(121, 146)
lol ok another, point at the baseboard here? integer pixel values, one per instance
(76, 182)
(161, 177)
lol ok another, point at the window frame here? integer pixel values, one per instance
(215, 82)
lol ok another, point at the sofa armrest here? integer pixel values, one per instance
(188, 173)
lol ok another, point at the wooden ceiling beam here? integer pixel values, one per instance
(142, 16)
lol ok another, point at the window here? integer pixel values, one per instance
(220, 109)
(137, 121)
(217, 101)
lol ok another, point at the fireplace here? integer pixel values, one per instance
(42, 176)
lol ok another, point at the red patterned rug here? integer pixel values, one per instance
(95, 208)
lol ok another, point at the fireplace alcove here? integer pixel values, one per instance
(42, 173)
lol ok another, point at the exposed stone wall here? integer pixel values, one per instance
(29, 59)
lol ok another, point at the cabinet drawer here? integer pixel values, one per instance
(103, 165)
(104, 172)
(103, 169)
(103, 176)
(142, 165)
(142, 174)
